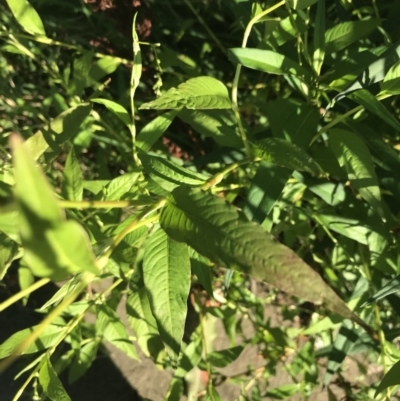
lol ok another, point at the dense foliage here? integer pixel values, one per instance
(209, 160)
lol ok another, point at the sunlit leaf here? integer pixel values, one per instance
(391, 83)
(223, 358)
(27, 17)
(196, 93)
(8, 252)
(72, 186)
(354, 155)
(344, 34)
(266, 61)
(116, 109)
(221, 232)
(166, 271)
(390, 379)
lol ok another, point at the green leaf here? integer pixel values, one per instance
(342, 346)
(83, 360)
(285, 154)
(220, 232)
(121, 186)
(319, 37)
(196, 93)
(344, 34)
(266, 61)
(202, 269)
(153, 131)
(72, 186)
(140, 317)
(8, 252)
(220, 125)
(52, 247)
(223, 358)
(81, 68)
(166, 270)
(27, 17)
(371, 103)
(169, 175)
(175, 390)
(113, 330)
(60, 129)
(392, 378)
(191, 357)
(50, 383)
(391, 287)
(374, 73)
(116, 109)
(104, 66)
(266, 187)
(391, 83)
(353, 154)
(47, 338)
(283, 392)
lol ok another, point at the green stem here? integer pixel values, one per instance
(217, 178)
(102, 204)
(21, 294)
(235, 83)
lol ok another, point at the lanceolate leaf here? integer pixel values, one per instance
(371, 103)
(374, 73)
(319, 37)
(285, 154)
(50, 383)
(346, 33)
(116, 109)
(8, 252)
(27, 17)
(390, 288)
(169, 175)
(196, 93)
(166, 270)
(392, 378)
(266, 61)
(353, 153)
(391, 83)
(219, 231)
(72, 187)
(223, 358)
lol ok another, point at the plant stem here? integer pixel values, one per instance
(19, 295)
(101, 204)
(235, 83)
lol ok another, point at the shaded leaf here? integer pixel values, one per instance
(202, 269)
(266, 61)
(319, 37)
(120, 186)
(391, 287)
(285, 154)
(222, 233)
(83, 360)
(300, 4)
(110, 326)
(50, 383)
(166, 271)
(65, 126)
(220, 125)
(223, 358)
(354, 155)
(283, 392)
(27, 17)
(104, 66)
(392, 378)
(196, 93)
(49, 336)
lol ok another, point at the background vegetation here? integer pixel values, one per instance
(183, 156)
